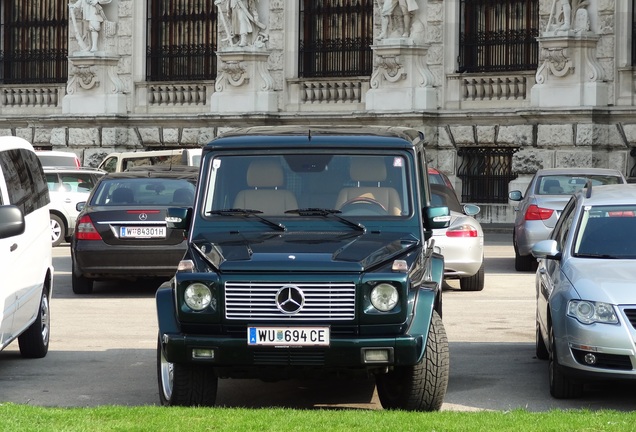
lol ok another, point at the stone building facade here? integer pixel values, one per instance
(574, 106)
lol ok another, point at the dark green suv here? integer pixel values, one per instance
(309, 254)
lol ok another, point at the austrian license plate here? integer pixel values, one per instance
(142, 232)
(288, 336)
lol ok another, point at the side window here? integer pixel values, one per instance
(109, 165)
(52, 182)
(26, 184)
(77, 182)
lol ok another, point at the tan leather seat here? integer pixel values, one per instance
(265, 178)
(370, 169)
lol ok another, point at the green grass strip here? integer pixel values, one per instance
(25, 418)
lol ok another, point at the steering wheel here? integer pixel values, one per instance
(363, 206)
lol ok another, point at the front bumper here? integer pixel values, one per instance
(238, 359)
(596, 351)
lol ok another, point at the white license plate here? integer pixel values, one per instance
(288, 336)
(142, 232)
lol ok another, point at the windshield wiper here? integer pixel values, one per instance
(312, 211)
(248, 213)
(593, 255)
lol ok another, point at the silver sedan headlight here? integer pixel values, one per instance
(589, 312)
(384, 297)
(198, 296)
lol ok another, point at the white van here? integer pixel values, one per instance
(118, 162)
(25, 249)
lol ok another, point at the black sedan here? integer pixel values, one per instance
(121, 231)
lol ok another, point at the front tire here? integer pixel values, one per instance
(474, 282)
(561, 386)
(34, 342)
(185, 384)
(420, 387)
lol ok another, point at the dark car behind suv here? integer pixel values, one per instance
(121, 230)
(309, 254)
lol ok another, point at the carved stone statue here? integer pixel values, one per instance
(561, 17)
(241, 23)
(93, 14)
(391, 11)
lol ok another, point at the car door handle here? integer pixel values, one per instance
(67, 200)
(13, 247)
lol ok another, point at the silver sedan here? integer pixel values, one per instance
(462, 243)
(586, 291)
(539, 208)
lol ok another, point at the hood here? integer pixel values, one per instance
(607, 280)
(303, 251)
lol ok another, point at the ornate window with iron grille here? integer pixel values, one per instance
(335, 38)
(34, 42)
(182, 40)
(485, 173)
(498, 35)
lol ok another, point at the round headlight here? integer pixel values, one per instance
(198, 296)
(384, 297)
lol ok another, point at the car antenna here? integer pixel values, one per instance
(588, 185)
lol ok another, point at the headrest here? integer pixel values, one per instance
(267, 173)
(368, 169)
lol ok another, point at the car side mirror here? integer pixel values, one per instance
(436, 217)
(471, 209)
(11, 221)
(178, 217)
(546, 249)
(515, 195)
(80, 206)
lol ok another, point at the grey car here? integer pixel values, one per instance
(539, 208)
(586, 291)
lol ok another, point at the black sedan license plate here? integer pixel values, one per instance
(142, 232)
(288, 336)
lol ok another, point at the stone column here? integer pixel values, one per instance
(569, 74)
(243, 82)
(94, 87)
(401, 79)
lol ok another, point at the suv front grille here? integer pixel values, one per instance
(253, 301)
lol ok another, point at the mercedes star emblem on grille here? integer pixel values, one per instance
(290, 299)
(143, 216)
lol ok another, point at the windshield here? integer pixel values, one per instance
(145, 191)
(276, 185)
(607, 232)
(568, 184)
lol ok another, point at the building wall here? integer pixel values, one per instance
(156, 115)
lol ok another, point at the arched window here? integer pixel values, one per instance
(335, 38)
(498, 35)
(181, 40)
(34, 42)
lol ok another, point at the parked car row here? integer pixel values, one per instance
(577, 228)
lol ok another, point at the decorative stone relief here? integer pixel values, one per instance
(554, 61)
(82, 76)
(387, 68)
(233, 73)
